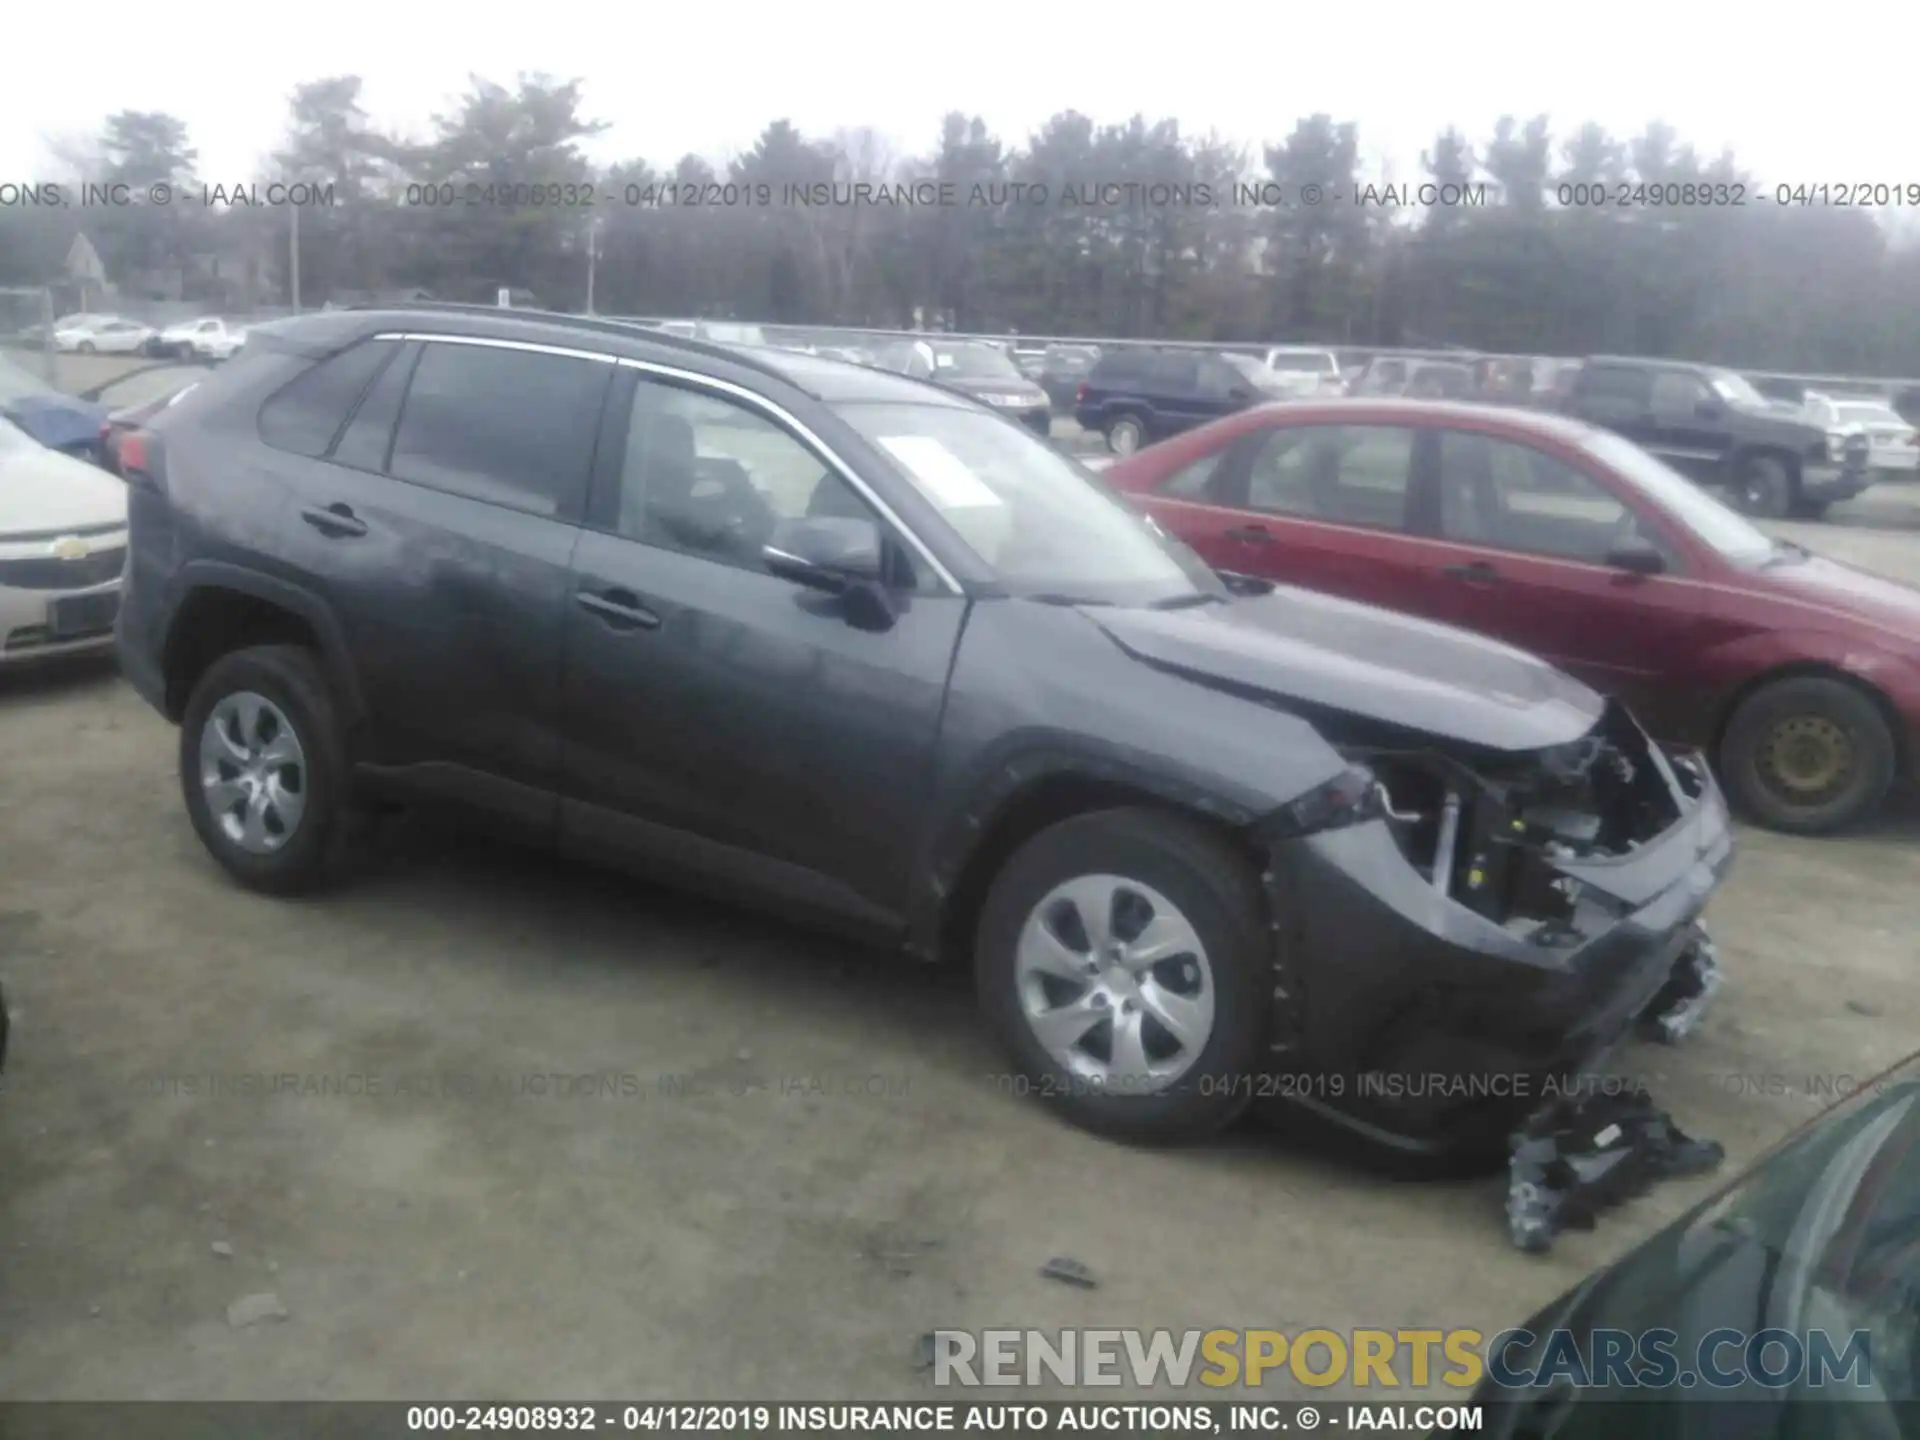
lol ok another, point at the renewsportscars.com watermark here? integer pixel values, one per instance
(1390, 1359)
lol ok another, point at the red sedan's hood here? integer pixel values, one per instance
(1855, 592)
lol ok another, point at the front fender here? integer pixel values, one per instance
(1731, 670)
(1039, 693)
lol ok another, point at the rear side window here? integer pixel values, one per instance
(1121, 365)
(1175, 371)
(510, 427)
(303, 416)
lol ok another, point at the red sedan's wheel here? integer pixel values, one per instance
(1808, 755)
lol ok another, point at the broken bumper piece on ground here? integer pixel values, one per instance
(1579, 1156)
(1677, 1010)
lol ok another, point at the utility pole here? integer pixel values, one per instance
(593, 258)
(293, 257)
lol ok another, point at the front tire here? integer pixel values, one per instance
(263, 770)
(1808, 755)
(1121, 959)
(86, 347)
(1764, 488)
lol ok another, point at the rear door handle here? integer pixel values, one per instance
(1251, 534)
(1476, 572)
(336, 519)
(619, 608)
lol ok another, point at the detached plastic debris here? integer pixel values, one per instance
(1582, 1155)
(1675, 1012)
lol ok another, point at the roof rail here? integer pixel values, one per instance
(735, 355)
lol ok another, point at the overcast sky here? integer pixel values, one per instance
(1804, 96)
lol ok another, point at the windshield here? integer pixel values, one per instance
(1046, 527)
(1735, 389)
(1730, 534)
(976, 362)
(1313, 361)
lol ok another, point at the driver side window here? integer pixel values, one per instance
(1512, 497)
(708, 476)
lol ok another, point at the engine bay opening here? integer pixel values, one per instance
(1490, 831)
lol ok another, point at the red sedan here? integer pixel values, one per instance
(1799, 674)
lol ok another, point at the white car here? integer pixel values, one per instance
(1306, 373)
(63, 547)
(207, 338)
(109, 336)
(1893, 446)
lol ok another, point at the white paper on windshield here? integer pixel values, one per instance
(942, 360)
(946, 477)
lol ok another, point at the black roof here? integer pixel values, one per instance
(833, 381)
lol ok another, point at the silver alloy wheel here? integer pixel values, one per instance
(1124, 437)
(1115, 983)
(253, 771)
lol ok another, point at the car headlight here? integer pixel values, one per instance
(1350, 798)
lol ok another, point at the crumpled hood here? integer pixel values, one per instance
(1340, 655)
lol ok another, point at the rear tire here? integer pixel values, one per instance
(1808, 756)
(1764, 488)
(1126, 435)
(262, 721)
(1185, 876)
(86, 347)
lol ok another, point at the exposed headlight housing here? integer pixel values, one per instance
(1350, 798)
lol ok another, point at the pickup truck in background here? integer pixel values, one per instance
(1712, 426)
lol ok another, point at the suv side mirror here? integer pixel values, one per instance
(831, 555)
(1709, 410)
(1239, 392)
(1637, 558)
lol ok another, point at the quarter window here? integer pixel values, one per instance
(303, 416)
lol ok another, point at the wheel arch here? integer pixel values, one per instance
(949, 907)
(223, 608)
(1816, 670)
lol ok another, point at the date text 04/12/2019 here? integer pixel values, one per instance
(919, 1418)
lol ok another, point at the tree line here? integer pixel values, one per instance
(1520, 241)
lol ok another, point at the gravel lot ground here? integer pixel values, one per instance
(792, 1160)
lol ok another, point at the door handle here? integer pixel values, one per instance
(619, 608)
(336, 519)
(1251, 534)
(1476, 572)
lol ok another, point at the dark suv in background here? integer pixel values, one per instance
(1136, 396)
(1718, 430)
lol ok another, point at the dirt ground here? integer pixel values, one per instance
(786, 1162)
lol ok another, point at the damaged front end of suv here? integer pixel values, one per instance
(1463, 935)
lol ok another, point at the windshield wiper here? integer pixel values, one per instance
(1187, 602)
(1049, 597)
(1785, 551)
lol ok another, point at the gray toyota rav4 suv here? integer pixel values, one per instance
(846, 644)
